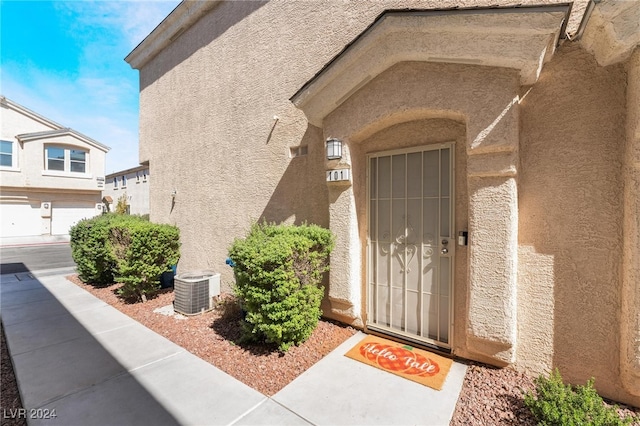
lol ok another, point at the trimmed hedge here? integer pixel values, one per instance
(278, 270)
(127, 249)
(143, 251)
(91, 251)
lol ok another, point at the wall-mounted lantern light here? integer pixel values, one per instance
(334, 149)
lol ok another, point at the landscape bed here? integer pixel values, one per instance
(490, 396)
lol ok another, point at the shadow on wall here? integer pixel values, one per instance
(301, 193)
(225, 15)
(571, 210)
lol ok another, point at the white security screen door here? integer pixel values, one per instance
(411, 243)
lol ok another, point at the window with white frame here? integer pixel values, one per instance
(115, 182)
(65, 159)
(6, 154)
(78, 160)
(124, 181)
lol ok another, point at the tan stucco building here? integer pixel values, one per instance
(487, 194)
(131, 185)
(51, 176)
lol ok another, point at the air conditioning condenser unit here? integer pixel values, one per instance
(194, 292)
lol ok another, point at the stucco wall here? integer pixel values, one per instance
(207, 107)
(207, 128)
(483, 99)
(207, 114)
(570, 224)
(630, 315)
(15, 123)
(136, 190)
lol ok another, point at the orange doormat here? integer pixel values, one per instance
(402, 360)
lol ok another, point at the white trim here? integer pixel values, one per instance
(52, 134)
(58, 173)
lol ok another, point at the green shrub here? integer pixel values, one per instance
(126, 249)
(555, 403)
(278, 271)
(91, 251)
(143, 251)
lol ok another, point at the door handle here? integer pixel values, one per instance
(444, 250)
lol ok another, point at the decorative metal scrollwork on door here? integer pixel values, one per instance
(401, 247)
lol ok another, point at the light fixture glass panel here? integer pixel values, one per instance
(334, 149)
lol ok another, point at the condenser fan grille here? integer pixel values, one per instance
(191, 294)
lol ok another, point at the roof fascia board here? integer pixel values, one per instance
(566, 7)
(178, 21)
(31, 114)
(127, 171)
(27, 137)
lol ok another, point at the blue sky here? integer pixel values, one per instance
(65, 61)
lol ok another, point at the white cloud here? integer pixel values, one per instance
(100, 99)
(135, 18)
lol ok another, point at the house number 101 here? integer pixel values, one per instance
(337, 175)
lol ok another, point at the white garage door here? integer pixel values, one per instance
(65, 215)
(20, 219)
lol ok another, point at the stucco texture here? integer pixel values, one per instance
(539, 180)
(570, 224)
(482, 99)
(630, 318)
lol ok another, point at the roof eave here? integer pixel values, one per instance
(178, 21)
(27, 137)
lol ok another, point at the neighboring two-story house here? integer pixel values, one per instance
(477, 160)
(50, 176)
(131, 185)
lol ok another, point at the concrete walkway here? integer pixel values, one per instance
(89, 364)
(35, 240)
